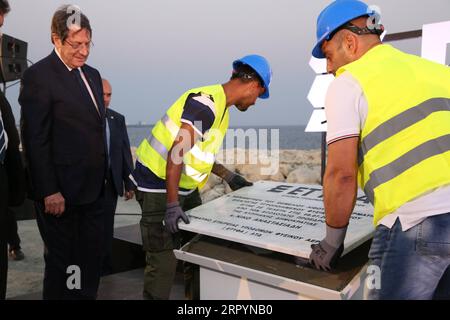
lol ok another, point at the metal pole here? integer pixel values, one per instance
(323, 156)
(403, 35)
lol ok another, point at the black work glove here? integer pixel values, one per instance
(173, 214)
(236, 181)
(325, 255)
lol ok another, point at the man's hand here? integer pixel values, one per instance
(173, 214)
(55, 204)
(236, 181)
(129, 195)
(325, 255)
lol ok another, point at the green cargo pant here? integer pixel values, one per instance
(158, 243)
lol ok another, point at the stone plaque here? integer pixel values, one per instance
(277, 216)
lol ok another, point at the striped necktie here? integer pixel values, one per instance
(2, 141)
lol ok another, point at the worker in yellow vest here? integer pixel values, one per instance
(388, 116)
(179, 156)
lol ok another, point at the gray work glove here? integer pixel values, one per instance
(173, 214)
(236, 181)
(325, 255)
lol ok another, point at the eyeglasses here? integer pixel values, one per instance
(79, 45)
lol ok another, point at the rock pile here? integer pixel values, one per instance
(293, 166)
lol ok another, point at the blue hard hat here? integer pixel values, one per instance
(261, 67)
(334, 16)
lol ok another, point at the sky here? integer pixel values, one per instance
(153, 50)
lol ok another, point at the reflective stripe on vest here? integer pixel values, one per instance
(408, 160)
(401, 122)
(198, 162)
(405, 143)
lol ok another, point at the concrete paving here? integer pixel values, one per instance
(25, 277)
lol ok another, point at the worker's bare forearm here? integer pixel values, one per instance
(183, 143)
(173, 175)
(340, 191)
(220, 170)
(340, 181)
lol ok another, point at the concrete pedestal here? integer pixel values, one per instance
(232, 271)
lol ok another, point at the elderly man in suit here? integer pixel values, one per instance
(64, 137)
(120, 166)
(12, 180)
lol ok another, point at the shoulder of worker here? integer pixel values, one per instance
(345, 107)
(201, 100)
(199, 112)
(345, 82)
(343, 90)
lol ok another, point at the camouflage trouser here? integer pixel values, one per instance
(158, 243)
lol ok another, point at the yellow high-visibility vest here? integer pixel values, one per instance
(199, 161)
(404, 149)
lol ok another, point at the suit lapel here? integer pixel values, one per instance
(95, 92)
(66, 78)
(69, 81)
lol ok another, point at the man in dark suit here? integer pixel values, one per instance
(12, 179)
(119, 170)
(63, 131)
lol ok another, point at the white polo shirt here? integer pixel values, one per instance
(346, 110)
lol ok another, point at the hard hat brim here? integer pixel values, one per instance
(266, 94)
(317, 50)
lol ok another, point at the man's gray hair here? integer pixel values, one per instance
(67, 16)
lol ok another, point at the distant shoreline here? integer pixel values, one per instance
(289, 137)
(231, 127)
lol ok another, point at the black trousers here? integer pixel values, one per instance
(12, 232)
(110, 210)
(3, 231)
(73, 242)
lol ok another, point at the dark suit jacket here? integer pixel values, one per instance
(121, 161)
(62, 132)
(13, 160)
